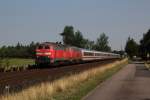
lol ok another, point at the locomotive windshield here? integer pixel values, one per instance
(43, 47)
(47, 47)
(40, 47)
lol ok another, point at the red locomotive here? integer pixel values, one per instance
(52, 53)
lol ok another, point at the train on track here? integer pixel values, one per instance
(49, 53)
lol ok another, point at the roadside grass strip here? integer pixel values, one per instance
(72, 87)
(147, 66)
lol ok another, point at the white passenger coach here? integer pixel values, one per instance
(88, 55)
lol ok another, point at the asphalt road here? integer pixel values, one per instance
(130, 83)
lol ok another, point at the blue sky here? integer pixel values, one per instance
(43, 20)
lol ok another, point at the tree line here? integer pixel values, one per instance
(18, 51)
(139, 50)
(69, 37)
(72, 38)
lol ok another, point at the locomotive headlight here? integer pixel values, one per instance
(38, 53)
(47, 53)
(44, 53)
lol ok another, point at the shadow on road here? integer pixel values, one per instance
(136, 62)
(141, 71)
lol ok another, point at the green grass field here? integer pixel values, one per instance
(18, 61)
(10, 63)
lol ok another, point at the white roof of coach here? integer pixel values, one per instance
(85, 50)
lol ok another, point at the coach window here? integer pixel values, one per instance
(88, 54)
(104, 54)
(97, 54)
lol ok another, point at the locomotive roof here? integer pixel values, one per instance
(93, 51)
(52, 43)
(56, 44)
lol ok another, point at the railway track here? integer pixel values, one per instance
(20, 80)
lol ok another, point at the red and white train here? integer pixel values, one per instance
(50, 53)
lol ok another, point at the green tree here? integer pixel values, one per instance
(68, 35)
(89, 44)
(145, 45)
(73, 38)
(1, 62)
(78, 40)
(18, 51)
(102, 43)
(18, 46)
(131, 47)
(31, 49)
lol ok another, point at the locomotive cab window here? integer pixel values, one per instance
(47, 47)
(40, 47)
(60, 47)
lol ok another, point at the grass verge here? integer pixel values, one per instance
(72, 87)
(147, 65)
(82, 89)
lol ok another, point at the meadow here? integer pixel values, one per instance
(10, 64)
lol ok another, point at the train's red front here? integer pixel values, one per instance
(50, 53)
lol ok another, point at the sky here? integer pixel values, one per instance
(42, 20)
